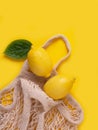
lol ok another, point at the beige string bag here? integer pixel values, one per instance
(25, 106)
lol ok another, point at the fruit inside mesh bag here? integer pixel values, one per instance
(25, 106)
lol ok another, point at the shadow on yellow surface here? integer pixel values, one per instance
(39, 20)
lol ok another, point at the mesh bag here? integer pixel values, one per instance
(25, 106)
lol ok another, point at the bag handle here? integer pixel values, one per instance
(67, 44)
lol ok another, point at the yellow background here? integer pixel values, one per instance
(38, 20)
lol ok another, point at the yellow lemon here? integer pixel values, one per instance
(58, 87)
(39, 62)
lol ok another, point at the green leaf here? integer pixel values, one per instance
(18, 49)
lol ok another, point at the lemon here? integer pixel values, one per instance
(39, 62)
(58, 87)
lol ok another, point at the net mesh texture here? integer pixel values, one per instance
(25, 106)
